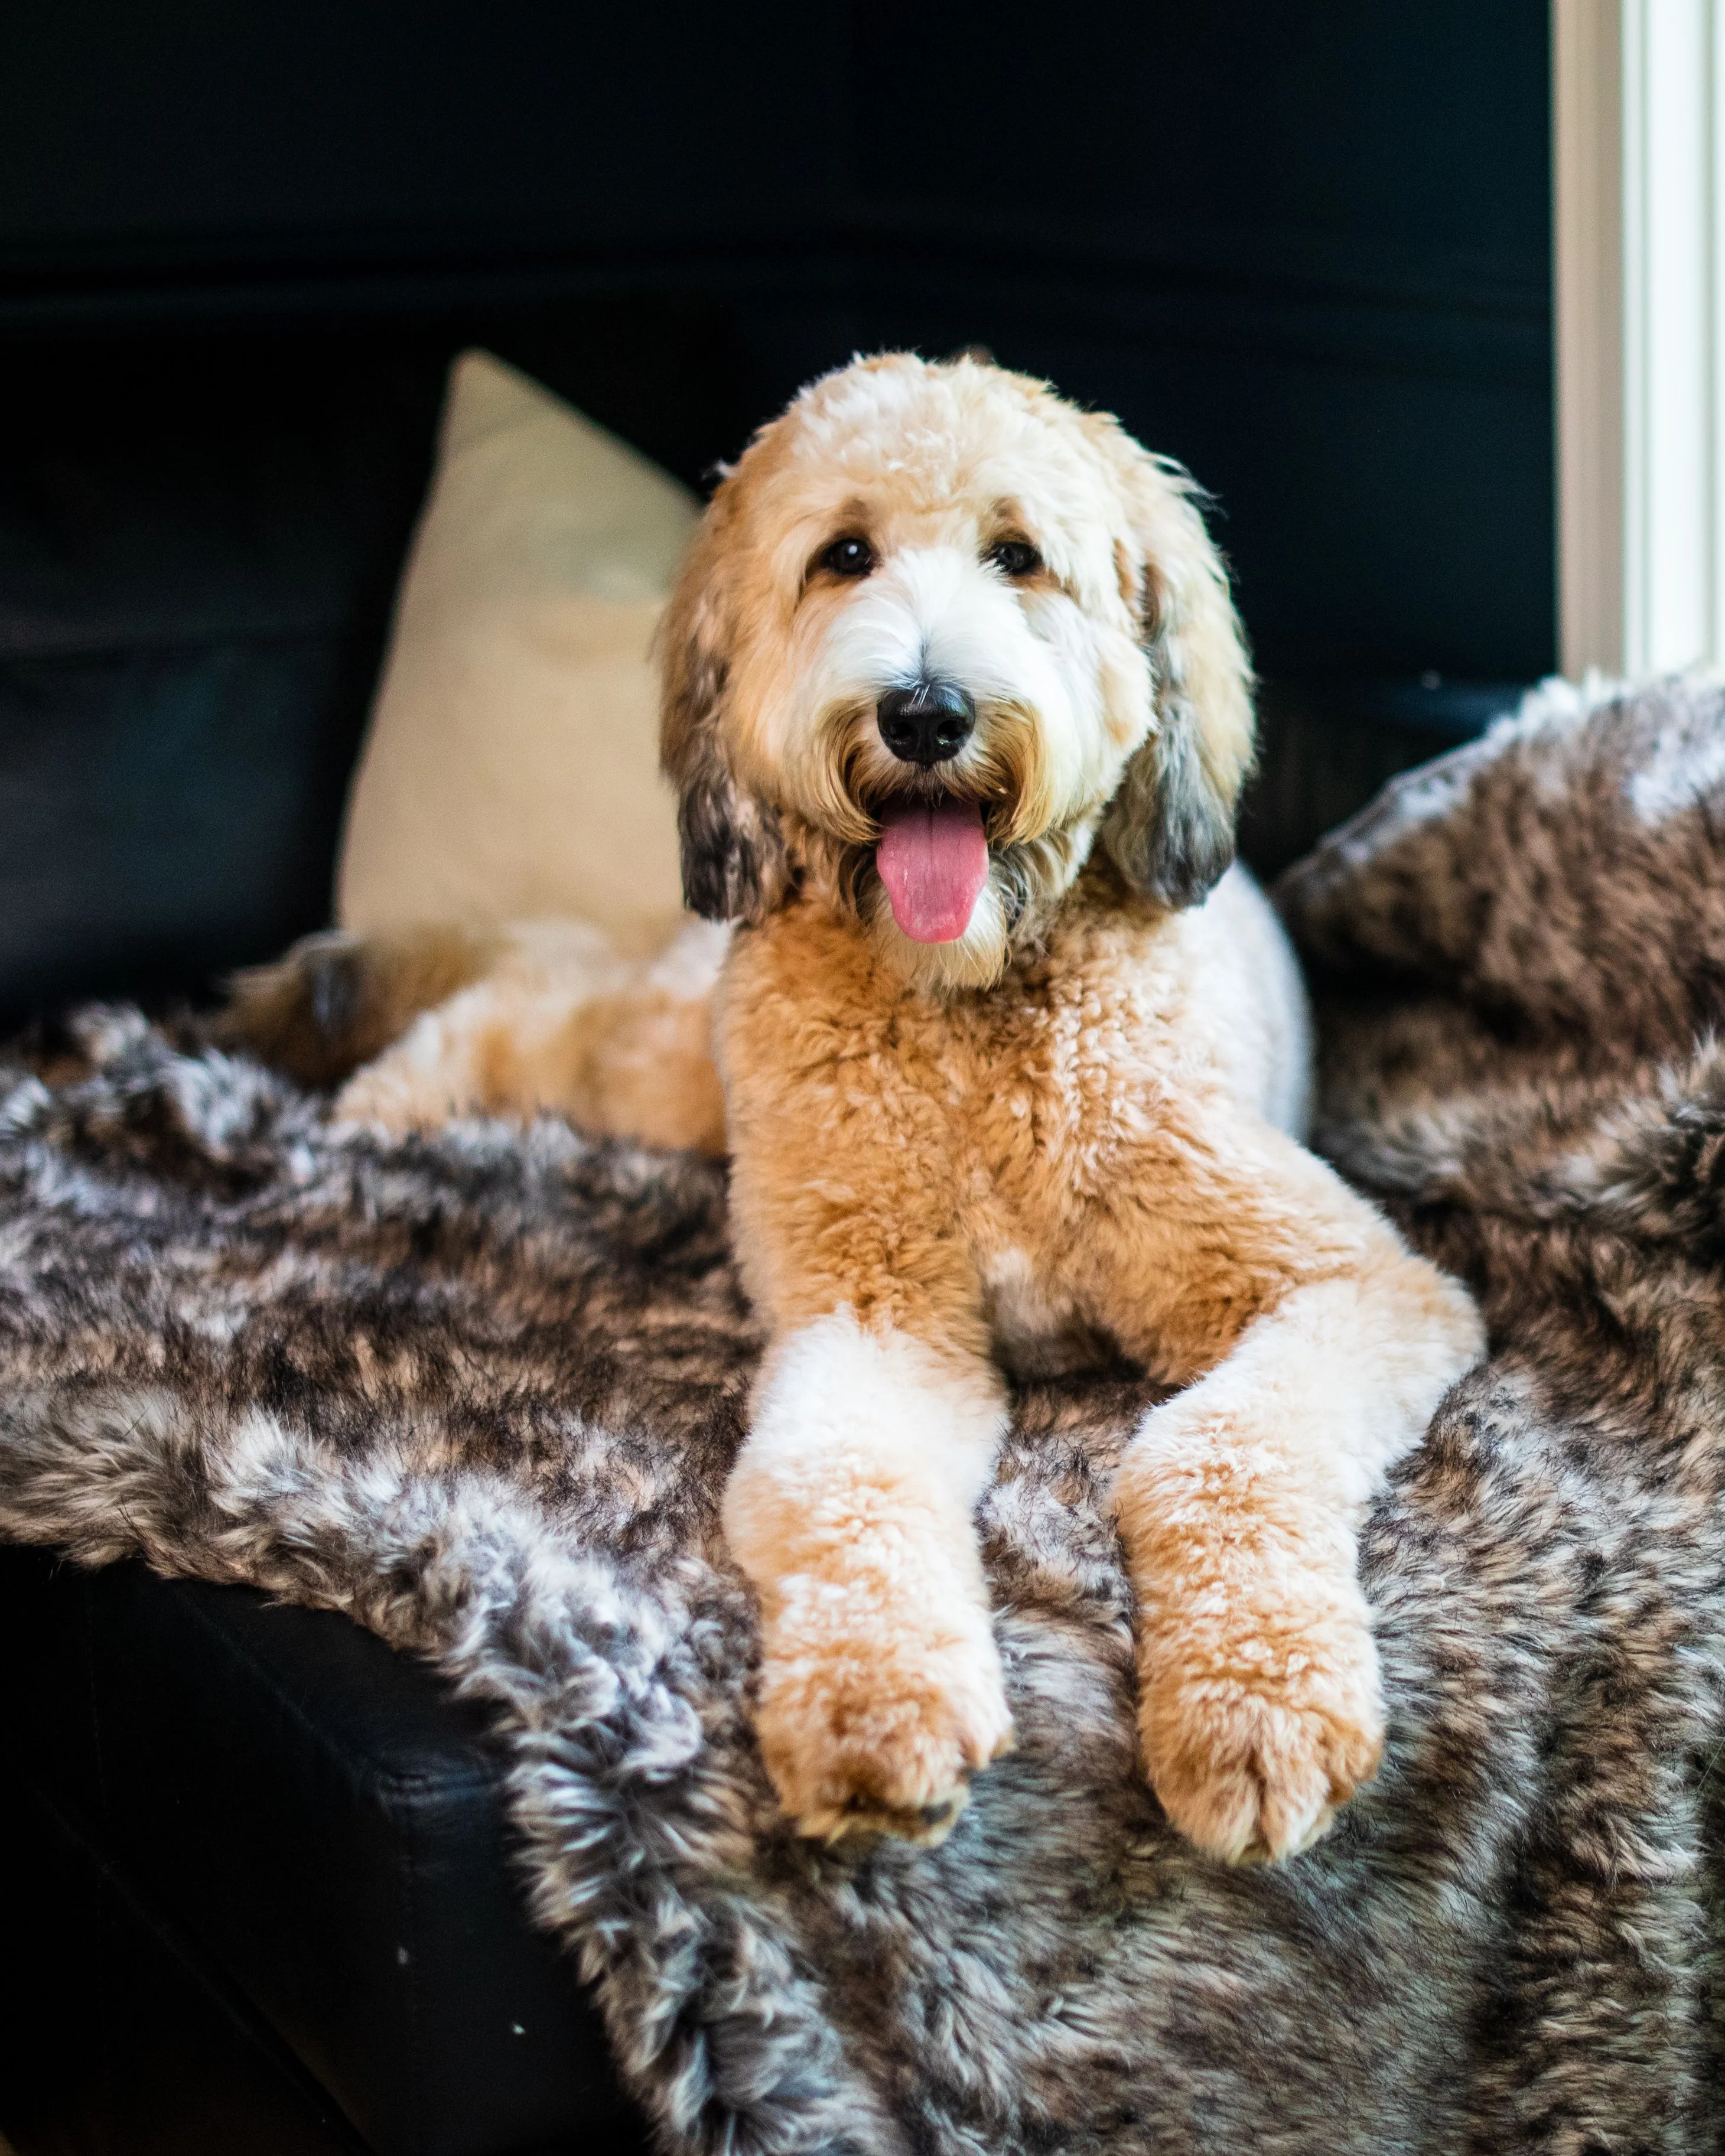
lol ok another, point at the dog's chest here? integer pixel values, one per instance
(1036, 1324)
(1040, 1089)
(1015, 1109)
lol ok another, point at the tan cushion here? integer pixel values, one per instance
(510, 770)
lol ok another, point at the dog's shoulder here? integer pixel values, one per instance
(1122, 959)
(1206, 995)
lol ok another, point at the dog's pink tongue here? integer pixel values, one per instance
(933, 861)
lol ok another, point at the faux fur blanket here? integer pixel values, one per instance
(480, 1394)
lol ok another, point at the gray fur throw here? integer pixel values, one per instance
(480, 1392)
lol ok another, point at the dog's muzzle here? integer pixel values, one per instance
(928, 723)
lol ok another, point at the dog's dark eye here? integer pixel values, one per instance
(850, 557)
(1015, 557)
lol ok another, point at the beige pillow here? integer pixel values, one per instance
(511, 772)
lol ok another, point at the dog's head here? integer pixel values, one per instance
(939, 631)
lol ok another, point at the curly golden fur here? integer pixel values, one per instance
(1078, 1117)
(1111, 679)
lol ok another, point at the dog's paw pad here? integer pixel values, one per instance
(1251, 1761)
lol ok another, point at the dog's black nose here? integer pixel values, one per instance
(926, 724)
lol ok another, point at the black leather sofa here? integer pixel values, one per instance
(259, 1896)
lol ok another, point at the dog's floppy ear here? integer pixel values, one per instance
(733, 850)
(1170, 828)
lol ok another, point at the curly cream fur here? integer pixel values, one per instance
(1101, 1124)
(1077, 1120)
(1119, 657)
(559, 1021)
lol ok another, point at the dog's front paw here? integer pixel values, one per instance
(875, 1724)
(1260, 1715)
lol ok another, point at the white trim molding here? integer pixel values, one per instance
(1587, 218)
(1639, 213)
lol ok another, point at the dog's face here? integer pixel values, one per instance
(940, 630)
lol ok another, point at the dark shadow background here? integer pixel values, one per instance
(1304, 247)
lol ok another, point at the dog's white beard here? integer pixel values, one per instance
(935, 613)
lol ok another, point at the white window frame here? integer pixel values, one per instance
(1639, 203)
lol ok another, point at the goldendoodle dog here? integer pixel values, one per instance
(957, 710)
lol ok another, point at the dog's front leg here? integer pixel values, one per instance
(851, 1510)
(1318, 1346)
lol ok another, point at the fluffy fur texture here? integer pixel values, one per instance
(1084, 1100)
(1111, 684)
(1074, 1120)
(481, 1391)
(1092, 1142)
(537, 1017)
